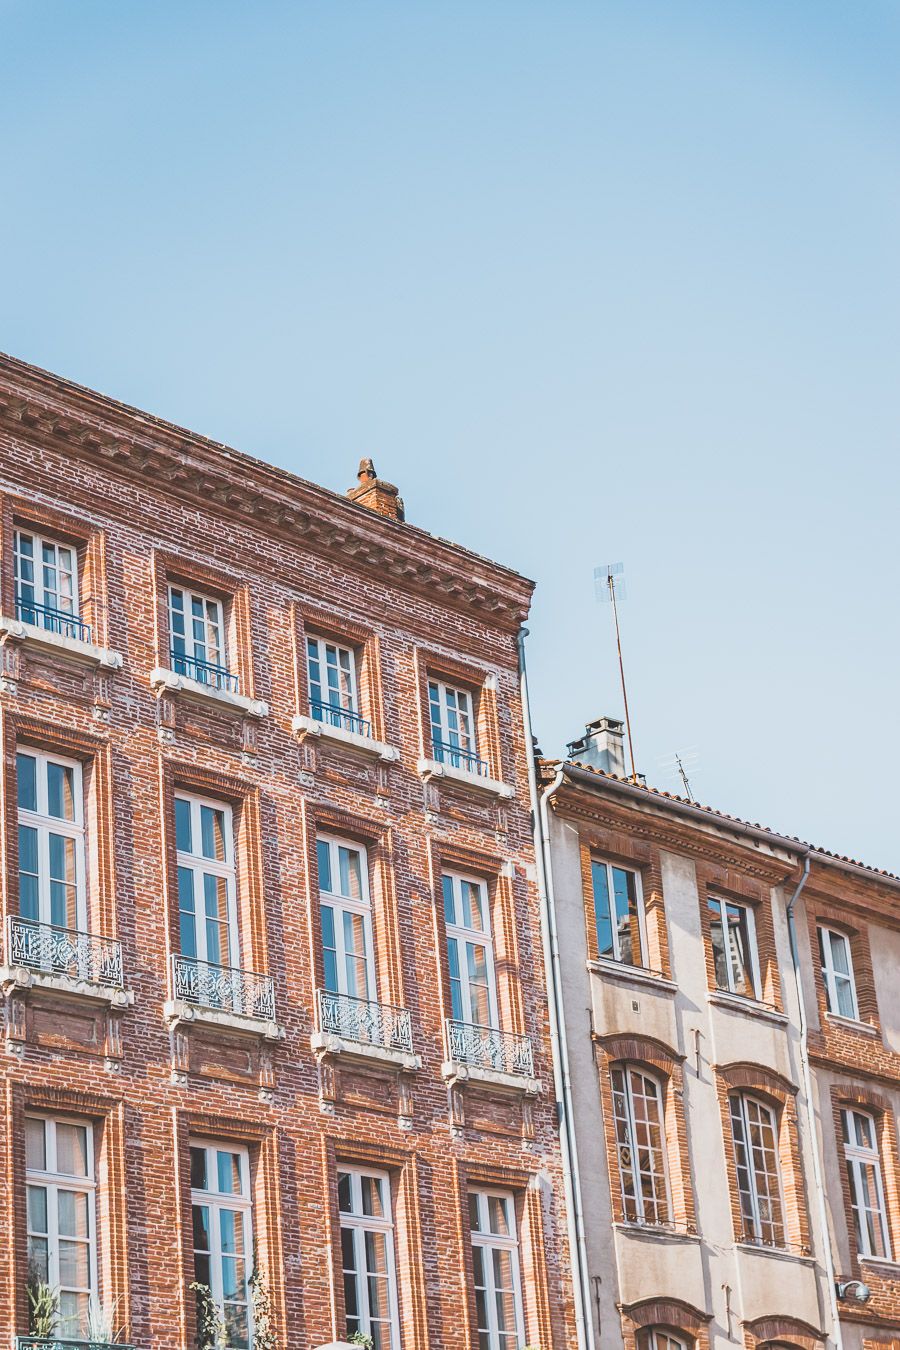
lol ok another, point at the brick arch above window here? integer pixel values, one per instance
(672, 1314)
(642, 1050)
(771, 1331)
(744, 1076)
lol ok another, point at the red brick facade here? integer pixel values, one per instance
(147, 505)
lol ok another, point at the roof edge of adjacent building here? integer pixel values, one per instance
(133, 442)
(598, 779)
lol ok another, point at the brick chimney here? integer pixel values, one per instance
(375, 493)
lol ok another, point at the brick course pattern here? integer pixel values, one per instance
(147, 504)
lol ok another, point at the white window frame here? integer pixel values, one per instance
(53, 1181)
(611, 894)
(193, 645)
(830, 974)
(660, 1338)
(857, 1157)
(360, 1224)
(198, 864)
(45, 825)
(778, 1222)
(341, 904)
(664, 1202)
(349, 697)
(467, 730)
(40, 592)
(463, 936)
(216, 1201)
(489, 1242)
(722, 902)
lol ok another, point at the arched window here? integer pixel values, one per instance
(662, 1338)
(754, 1131)
(640, 1146)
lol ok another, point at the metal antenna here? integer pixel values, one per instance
(609, 586)
(682, 764)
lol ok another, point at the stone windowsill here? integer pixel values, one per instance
(655, 1232)
(23, 977)
(432, 768)
(722, 998)
(178, 1012)
(303, 726)
(104, 658)
(454, 1072)
(324, 1043)
(882, 1263)
(619, 970)
(164, 681)
(775, 1253)
(851, 1024)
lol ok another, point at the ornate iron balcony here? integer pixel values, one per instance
(458, 758)
(204, 672)
(224, 988)
(343, 718)
(65, 951)
(364, 1021)
(489, 1048)
(66, 1343)
(52, 620)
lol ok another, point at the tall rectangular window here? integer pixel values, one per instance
(367, 1250)
(207, 904)
(618, 913)
(223, 1236)
(866, 1190)
(62, 1242)
(837, 973)
(453, 726)
(346, 918)
(51, 840)
(197, 633)
(46, 577)
(755, 1137)
(470, 955)
(733, 936)
(495, 1264)
(333, 694)
(640, 1143)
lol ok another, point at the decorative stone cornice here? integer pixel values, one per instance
(54, 414)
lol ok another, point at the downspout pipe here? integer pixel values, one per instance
(818, 1180)
(561, 1080)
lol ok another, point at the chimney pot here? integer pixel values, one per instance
(375, 494)
(602, 746)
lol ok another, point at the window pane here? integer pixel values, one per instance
(212, 830)
(37, 1209)
(26, 780)
(200, 1216)
(39, 1257)
(72, 1213)
(626, 916)
(498, 1215)
(345, 1202)
(60, 791)
(351, 874)
(74, 1265)
(71, 1150)
(740, 950)
(323, 854)
(35, 1144)
(228, 1168)
(373, 1196)
(29, 886)
(183, 825)
(717, 938)
(449, 900)
(602, 917)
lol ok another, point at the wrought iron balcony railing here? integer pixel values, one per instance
(52, 620)
(343, 718)
(224, 988)
(458, 758)
(489, 1048)
(67, 1343)
(204, 672)
(363, 1021)
(65, 951)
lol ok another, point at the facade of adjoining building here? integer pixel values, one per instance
(275, 1049)
(736, 1145)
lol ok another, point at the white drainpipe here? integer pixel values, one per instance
(584, 1321)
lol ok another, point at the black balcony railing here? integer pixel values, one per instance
(52, 620)
(67, 1343)
(334, 716)
(458, 758)
(204, 672)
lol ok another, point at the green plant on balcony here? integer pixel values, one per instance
(43, 1305)
(210, 1327)
(360, 1338)
(264, 1334)
(101, 1322)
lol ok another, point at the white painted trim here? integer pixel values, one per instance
(303, 726)
(432, 768)
(104, 658)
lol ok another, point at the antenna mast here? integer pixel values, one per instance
(608, 585)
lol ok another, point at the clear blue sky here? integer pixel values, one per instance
(592, 282)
